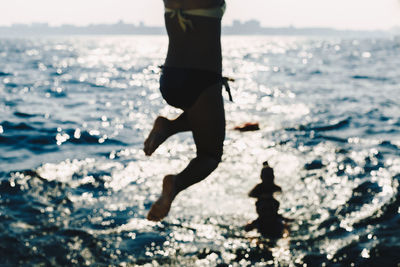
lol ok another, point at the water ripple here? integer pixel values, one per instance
(75, 185)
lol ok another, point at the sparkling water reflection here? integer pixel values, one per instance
(76, 187)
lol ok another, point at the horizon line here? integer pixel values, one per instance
(236, 21)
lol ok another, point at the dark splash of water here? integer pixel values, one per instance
(41, 225)
(75, 186)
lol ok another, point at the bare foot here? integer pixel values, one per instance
(161, 207)
(157, 136)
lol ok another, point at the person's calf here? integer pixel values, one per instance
(197, 170)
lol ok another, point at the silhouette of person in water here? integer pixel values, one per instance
(269, 222)
(191, 80)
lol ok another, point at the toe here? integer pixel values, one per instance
(154, 211)
(151, 217)
(146, 146)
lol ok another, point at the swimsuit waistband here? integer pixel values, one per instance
(215, 12)
(221, 79)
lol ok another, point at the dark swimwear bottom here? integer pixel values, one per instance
(182, 87)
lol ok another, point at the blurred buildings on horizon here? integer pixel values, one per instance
(251, 27)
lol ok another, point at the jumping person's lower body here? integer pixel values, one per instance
(206, 119)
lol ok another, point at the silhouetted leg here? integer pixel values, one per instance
(162, 129)
(207, 121)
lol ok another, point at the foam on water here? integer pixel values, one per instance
(75, 186)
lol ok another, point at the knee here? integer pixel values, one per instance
(213, 160)
(214, 155)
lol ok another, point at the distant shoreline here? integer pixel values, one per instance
(251, 27)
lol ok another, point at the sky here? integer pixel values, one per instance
(341, 14)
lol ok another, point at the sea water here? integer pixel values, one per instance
(75, 185)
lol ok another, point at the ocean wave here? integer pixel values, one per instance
(24, 115)
(2, 74)
(21, 135)
(373, 78)
(336, 125)
(75, 185)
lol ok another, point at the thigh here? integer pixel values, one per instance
(207, 121)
